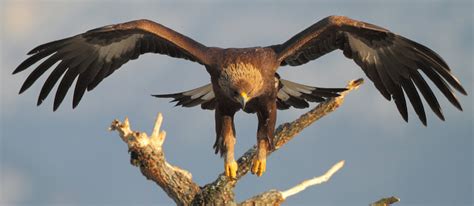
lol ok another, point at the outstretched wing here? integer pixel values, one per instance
(92, 56)
(391, 61)
(289, 94)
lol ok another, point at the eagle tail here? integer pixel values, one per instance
(292, 94)
(203, 96)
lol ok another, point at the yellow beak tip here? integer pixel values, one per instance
(244, 98)
(244, 95)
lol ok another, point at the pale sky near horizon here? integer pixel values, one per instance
(67, 157)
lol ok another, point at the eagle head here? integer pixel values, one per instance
(241, 82)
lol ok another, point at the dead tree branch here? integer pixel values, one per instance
(274, 197)
(313, 181)
(147, 154)
(386, 201)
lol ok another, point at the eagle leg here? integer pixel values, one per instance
(225, 141)
(266, 126)
(259, 164)
(228, 133)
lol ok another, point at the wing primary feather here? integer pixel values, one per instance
(373, 74)
(115, 65)
(31, 60)
(51, 81)
(369, 66)
(446, 74)
(83, 81)
(442, 86)
(385, 79)
(427, 94)
(50, 46)
(428, 57)
(414, 98)
(39, 71)
(64, 85)
(412, 63)
(79, 91)
(100, 76)
(400, 101)
(390, 65)
(401, 67)
(394, 90)
(427, 51)
(400, 75)
(69, 78)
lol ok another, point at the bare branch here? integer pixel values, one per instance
(313, 181)
(274, 197)
(147, 154)
(386, 201)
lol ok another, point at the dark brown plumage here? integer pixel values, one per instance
(246, 78)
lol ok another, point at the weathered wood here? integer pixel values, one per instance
(147, 154)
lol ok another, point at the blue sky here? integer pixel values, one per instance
(68, 157)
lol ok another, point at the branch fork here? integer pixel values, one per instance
(147, 154)
(140, 139)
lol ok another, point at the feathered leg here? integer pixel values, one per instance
(266, 125)
(225, 140)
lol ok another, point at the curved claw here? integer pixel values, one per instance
(231, 169)
(259, 166)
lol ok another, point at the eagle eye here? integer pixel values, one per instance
(235, 93)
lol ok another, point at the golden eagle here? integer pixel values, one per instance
(246, 78)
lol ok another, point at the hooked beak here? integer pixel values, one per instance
(243, 99)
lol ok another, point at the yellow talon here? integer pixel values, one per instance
(259, 166)
(231, 169)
